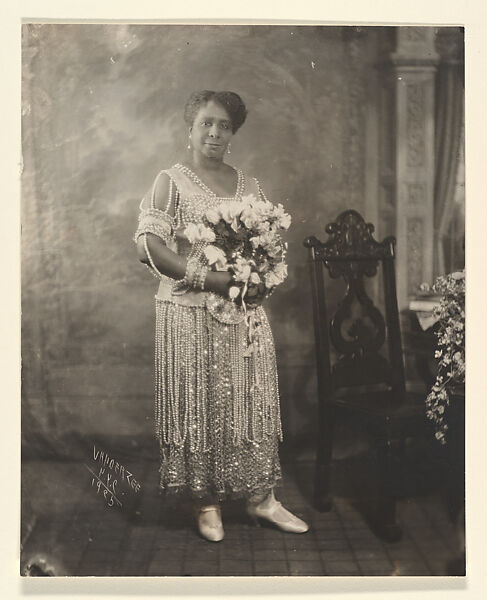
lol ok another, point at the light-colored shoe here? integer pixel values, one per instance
(273, 511)
(210, 523)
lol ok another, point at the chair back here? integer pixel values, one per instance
(357, 345)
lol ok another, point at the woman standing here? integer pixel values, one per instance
(217, 405)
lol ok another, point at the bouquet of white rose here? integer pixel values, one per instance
(243, 237)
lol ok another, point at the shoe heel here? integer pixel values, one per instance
(254, 518)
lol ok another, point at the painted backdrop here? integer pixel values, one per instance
(102, 113)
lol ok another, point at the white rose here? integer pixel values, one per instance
(233, 292)
(242, 269)
(206, 234)
(199, 233)
(271, 280)
(254, 278)
(263, 226)
(255, 241)
(250, 220)
(192, 232)
(281, 271)
(276, 276)
(284, 221)
(230, 212)
(212, 216)
(215, 256)
(242, 273)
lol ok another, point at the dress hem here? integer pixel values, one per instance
(181, 490)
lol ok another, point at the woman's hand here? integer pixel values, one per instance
(255, 295)
(219, 282)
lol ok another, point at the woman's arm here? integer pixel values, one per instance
(165, 260)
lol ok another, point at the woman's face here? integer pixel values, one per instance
(211, 131)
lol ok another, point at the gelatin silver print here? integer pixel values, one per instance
(243, 300)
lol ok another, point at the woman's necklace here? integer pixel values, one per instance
(195, 179)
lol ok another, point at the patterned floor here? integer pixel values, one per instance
(68, 527)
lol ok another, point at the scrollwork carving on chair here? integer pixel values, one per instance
(359, 356)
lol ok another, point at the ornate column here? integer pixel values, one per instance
(414, 63)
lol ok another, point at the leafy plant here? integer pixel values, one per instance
(451, 349)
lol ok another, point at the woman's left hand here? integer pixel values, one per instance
(255, 295)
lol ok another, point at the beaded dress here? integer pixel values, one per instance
(217, 415)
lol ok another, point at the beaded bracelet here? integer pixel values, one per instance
(195, 275)
(196, 269)
(200, 276)
(191, 266)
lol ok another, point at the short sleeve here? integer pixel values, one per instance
(159, 222)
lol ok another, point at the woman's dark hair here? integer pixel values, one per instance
(230, 101)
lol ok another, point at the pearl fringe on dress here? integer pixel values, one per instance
(217, 414)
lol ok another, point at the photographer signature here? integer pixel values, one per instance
(107, 474)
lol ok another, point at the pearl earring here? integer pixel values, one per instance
(189, 143)
(228, 149)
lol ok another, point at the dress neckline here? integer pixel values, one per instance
(195, 179)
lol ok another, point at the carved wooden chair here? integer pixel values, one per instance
(359, 357)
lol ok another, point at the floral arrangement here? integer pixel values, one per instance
(244, 237)
(451, 348)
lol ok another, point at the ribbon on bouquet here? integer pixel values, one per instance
(250, 321)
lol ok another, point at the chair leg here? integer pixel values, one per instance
(389, 463)
(323, 500)
(322, 494)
